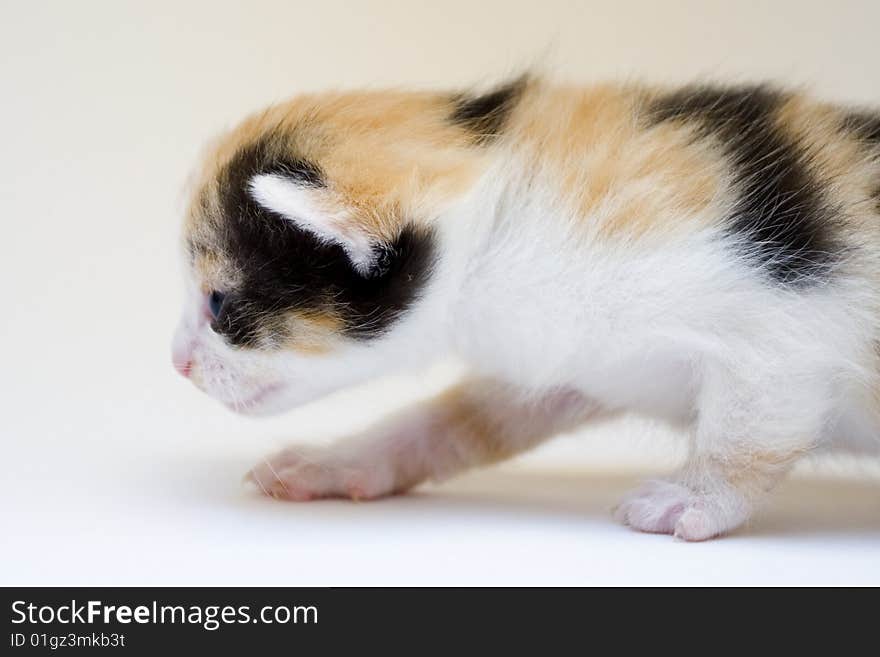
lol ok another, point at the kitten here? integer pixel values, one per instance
(705, 255)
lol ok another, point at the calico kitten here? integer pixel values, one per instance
(705, 255)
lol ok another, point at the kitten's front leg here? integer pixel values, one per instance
(477, 422)
(750, 432)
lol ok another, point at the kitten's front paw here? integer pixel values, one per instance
(307, 473)
(664, 507)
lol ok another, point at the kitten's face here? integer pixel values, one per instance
(308, 244)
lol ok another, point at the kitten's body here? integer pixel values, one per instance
(705, 256)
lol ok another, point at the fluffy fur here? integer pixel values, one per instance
(704, 255)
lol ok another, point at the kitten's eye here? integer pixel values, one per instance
(215, 303)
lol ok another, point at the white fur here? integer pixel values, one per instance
(528, 295)
(301, 205)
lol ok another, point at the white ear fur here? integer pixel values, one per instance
(299, 204)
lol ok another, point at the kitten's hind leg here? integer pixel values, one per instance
(750, 431)
(477, 422)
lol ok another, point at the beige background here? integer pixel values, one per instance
(104, 107)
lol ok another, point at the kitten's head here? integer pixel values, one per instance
(309, 242)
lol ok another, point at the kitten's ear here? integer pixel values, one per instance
(301, 205)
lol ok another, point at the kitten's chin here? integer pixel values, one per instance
(266, 401)
(273, 399)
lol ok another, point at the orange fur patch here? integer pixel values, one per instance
(850, 173)
(625, 180)
(313, 333)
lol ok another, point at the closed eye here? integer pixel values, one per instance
(215, 303)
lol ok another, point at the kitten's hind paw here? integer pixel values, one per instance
(665, 507)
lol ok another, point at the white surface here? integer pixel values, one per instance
(116, 471)
(152, 514)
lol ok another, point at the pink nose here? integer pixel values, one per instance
(182, 351)
(183, 366)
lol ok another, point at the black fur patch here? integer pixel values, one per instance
(485, 115)
(285, 268)
(302, 171)
(782, 212)
(864, 125)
